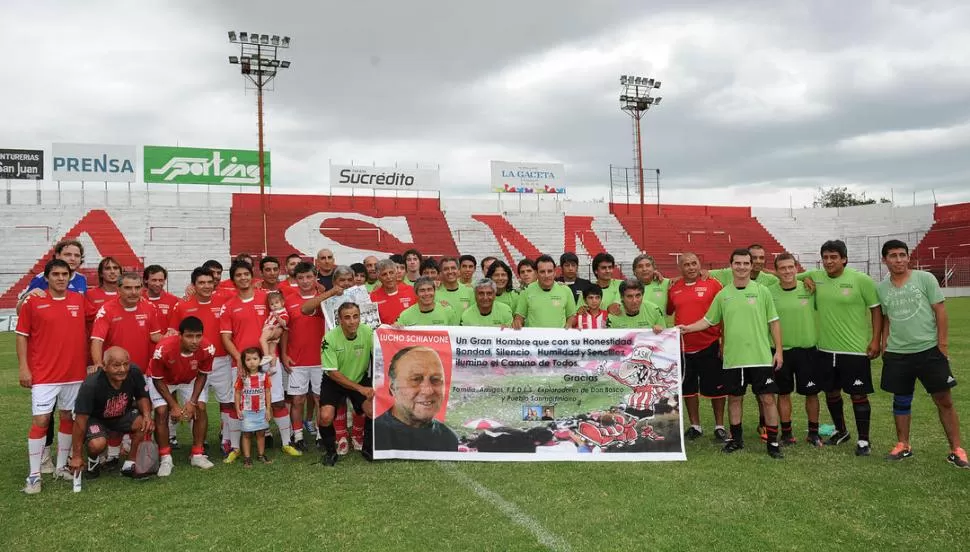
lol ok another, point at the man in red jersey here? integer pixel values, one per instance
(155, 279)
(269, 268)
(688, 299)
(180, 366)
(391, 297)
(109, 276)
(241, 324)
(205, 305)
(52, 356)
(129, 323)
(302, 355)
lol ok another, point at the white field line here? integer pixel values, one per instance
(513, 512)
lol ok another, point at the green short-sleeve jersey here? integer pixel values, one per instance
(373, 285)
(458, 299)
(796, 313)
(843, 303)
(912, 322)
(746, 314)
(649, 316)
(509, 298)
(501, 315)
(656, 293)
(543, 308)
(441, 315)
(351, 357)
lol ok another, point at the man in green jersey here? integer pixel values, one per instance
(750, 327)
(427, 311)
(487, 311)
(545, 303)
(637, 311)
(412, 266)
(603, 266)
(914, 336)
(346, 359)
(451, 292)
(849, 326)
(466, 270)
(655, 289)
(796, 313)
(370, 265)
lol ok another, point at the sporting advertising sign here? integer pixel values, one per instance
(528, 178)
(94, 163)
(18, 164)
(384, 178)
(174, 165)
(529, 395)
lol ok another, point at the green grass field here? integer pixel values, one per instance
(813, 500)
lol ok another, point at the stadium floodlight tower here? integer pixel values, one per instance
(259, 62)
(636, 100)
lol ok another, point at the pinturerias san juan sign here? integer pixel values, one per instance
(226, 167)
(18, 164)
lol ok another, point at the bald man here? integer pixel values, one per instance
(370, 266)
(325, 263)
(417, 383)
(112, 401)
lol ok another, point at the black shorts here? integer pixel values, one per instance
(703, 373)
(335, 395)
(931, 367)
(760, 378)
(98, 428)
(850, 373)
(804, 371)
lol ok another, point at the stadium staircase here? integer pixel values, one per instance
(710, 232)
(948, 238)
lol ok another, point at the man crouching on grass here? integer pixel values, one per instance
(111, 402)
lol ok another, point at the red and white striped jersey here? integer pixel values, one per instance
(592, 321)
(253, 388)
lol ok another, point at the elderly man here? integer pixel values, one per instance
(111, 402)
(325, 264)
(417, 383)
(485, 311)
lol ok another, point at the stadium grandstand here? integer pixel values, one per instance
(179, 229)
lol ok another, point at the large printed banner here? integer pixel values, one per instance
(94, 163)
(528, 178)
(229, 167)
(463, 393)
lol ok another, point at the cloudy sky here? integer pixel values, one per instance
(762, 101)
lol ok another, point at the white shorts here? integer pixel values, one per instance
(305, 379)
(221, 379)
(182, 393)
(44, 396)
(278, 390)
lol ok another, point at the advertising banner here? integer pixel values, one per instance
(94, 163)
(18, 164)
(219, 167)
(528, 178)
(384, 178)
(462, 393)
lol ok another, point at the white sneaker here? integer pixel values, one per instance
(33, 485)
(165, 466)
(46, 462)
(63, 473)
(201, 461)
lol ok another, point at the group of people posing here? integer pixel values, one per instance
(128, 360)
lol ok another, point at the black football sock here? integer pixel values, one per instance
(329, 437)
(772, 436)
(813, 428)
(736, 433)
(785, 429)
(835, 410)
(862, 411)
